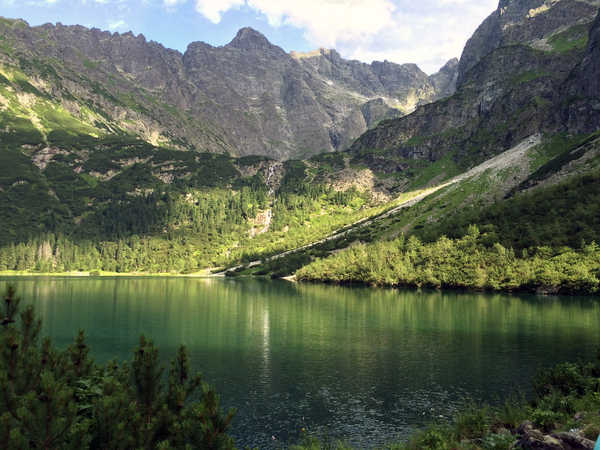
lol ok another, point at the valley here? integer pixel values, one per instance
(438, 237)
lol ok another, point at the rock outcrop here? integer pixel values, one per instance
(533, 439)
(581, 94)
(444, 82)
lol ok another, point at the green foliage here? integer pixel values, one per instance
(563, 215)
(552, 147)
(330, 161)
(89, 64)
(18, 131)
(158, 227)
(440, 170)
(566, 378)
(528, 76)
(252, 160)
(512, 412)
(574, 38)
(472, 423)
(285, 266)
(15, 167)
(415, 141)
(546, 419)
(213, 170)
(472, 262)
(434, 438)
(498, 441)
(561, 150)
(312, 443)
(294, 180)
(55, 399)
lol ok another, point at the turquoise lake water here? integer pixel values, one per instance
(366, 365)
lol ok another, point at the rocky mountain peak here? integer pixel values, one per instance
(249, 39)
(450, 66)
(582, 113)
(247, 97)
(444, 81)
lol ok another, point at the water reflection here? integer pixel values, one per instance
(364, 364)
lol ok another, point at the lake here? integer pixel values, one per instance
(367, 365)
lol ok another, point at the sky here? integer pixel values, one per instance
(425, 32)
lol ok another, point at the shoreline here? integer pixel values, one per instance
(99, 274)
(543, 291)
(209, 273)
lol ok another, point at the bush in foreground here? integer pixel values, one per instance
(54, 399)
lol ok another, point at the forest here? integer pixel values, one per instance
(182, 232)
(565, 214)
(475, 261)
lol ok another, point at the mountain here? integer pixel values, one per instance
(526, 70)
(505, 173)
(530, 22)
(444, 82)
(247, 97)
(581, 111)
(90, 179)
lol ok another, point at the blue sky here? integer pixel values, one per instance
(425, 32)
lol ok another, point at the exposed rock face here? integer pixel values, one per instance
(444, 82)
(532, 439)
(247, 97)
(522, 22)
(508, 91)
(581, 111)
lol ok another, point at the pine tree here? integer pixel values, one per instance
(61, 400)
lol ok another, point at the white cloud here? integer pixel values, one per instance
(106, 2)
(212, 9)
(434, 38)
(37, 3)
(327, 22)
(428, 32)
(171, 5)
(118, 24)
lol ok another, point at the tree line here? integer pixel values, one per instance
(471, 262)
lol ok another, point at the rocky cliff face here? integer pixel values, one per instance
(513, 77)
(580, 96)
(529, 22)
(444, 82)
(248, 97)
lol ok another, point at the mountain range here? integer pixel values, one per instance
(247, 97)
(523, 72)
(229, 154)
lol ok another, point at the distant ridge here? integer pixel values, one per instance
(247, 97)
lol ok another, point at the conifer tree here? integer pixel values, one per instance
(54, 399)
